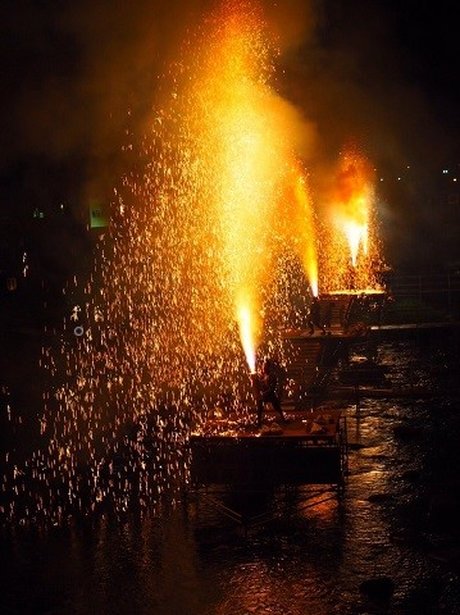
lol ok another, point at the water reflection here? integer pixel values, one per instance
(392, 521)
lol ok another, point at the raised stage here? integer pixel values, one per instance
(308, 450)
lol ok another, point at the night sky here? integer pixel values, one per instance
(383, 73)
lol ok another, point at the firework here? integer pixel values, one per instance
(212, 233)
(350, 234)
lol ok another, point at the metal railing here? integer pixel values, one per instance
(440, 291)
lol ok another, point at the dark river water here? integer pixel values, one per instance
(398, 519)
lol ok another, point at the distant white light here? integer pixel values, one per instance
(381, 179)
(445, 171)
(455, 179)
(399, 179)
(408, 166)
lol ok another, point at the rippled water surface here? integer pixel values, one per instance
(397, 518)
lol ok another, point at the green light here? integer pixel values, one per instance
(97, 215)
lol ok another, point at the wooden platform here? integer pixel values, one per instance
(305, 451)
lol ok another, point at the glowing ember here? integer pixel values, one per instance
(360, 291)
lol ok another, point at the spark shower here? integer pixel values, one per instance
(210, 231)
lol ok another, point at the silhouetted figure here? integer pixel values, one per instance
(266, 385)
(314, 317)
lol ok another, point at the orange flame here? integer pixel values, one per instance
(353, 202)
(246, 133)
(352, 251)
(247, 327)
(357, 236)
